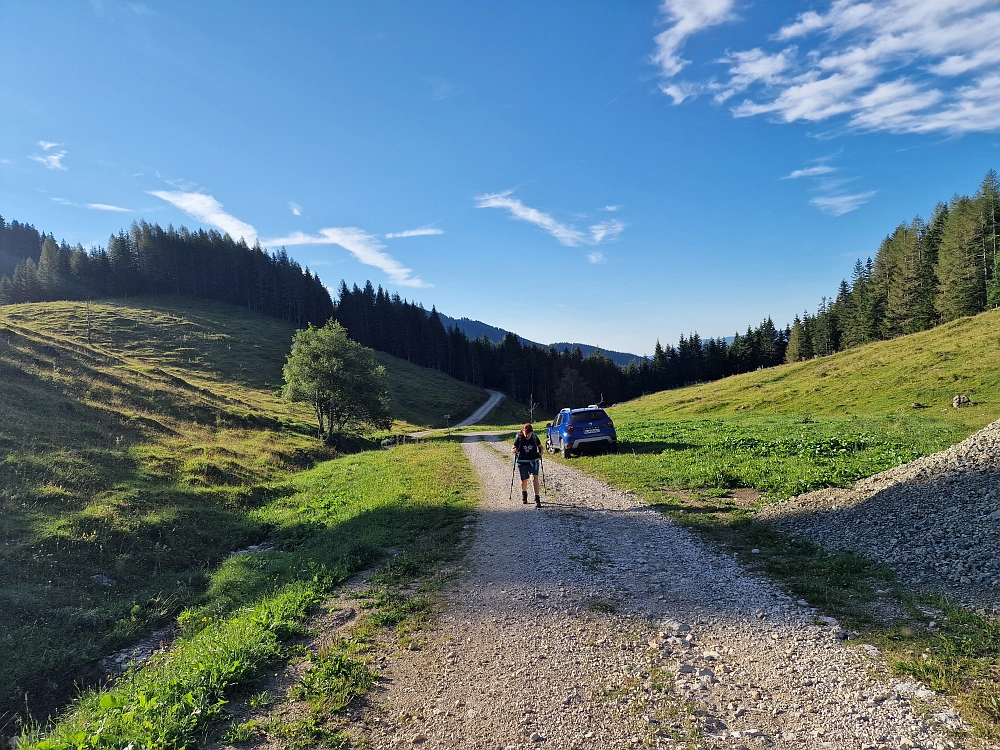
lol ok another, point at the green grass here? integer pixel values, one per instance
(422, 397)
(777, 455)
(929, 368)
(142, 457)
(340, 518)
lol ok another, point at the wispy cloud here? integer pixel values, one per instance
(819, 169)
(208, 210)
(365, 247)
(611, 208)
(106, 207)
(567, 234)
(46, 145)
(902, 66)
(295, 208)
(92, 206)
(596, 257)
(838, 205)
(686, 18)
(832, 194)
(606, 230)
(422, 232)
(51, 161)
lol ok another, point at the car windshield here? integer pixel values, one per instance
(591, 415)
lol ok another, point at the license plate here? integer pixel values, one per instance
(591, 432)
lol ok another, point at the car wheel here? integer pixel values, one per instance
(548, 446)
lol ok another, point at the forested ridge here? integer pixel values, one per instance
(924, 273)
(148, 259)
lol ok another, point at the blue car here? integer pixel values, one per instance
(577, 429)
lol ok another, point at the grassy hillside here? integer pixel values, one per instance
(821, 423)
(929, 368)
(422, 397)
(128, 468)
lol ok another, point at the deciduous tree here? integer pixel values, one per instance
(340, 378)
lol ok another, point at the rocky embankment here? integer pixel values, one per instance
(935, 520)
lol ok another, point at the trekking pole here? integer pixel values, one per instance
(510, 496)
(541, 464)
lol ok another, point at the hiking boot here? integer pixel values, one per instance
(538, 501)
(524, 498)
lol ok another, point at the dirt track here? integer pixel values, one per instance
(595, 623)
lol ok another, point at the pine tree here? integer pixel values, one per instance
(962, 288)
(51, 284)
(799, 346)
(905, 311)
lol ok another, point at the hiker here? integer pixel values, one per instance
(527, 456)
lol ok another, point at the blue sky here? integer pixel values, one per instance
(610, 173)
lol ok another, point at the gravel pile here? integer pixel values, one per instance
(594, 622)
(935, 520)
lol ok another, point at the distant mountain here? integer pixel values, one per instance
(475, 329)
(619, 358)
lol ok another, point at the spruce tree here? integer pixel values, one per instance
(962, 288)
(799, 347)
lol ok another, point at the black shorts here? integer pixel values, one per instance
(527, 469)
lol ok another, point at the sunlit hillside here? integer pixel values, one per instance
(136, 437)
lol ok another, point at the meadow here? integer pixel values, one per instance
(139, 439)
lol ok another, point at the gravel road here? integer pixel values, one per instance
(594, 622)
(935, 520)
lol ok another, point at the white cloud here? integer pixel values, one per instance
(611, 208)
(106, 207)
(606, 230)
(750, 67)
(422, 232)
(838, 205)
(687, 17)
(596, 257)
(92, 206)
(51, 161)
(295, 208)
(366, 248)
(46, 145)
(565, 233)
(831, 193)
(206, 209)
(903, 66)
(819, 169)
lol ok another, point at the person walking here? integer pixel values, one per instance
(527, 456)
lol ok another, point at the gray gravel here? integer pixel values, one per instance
(594, 622)
(935, 520)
